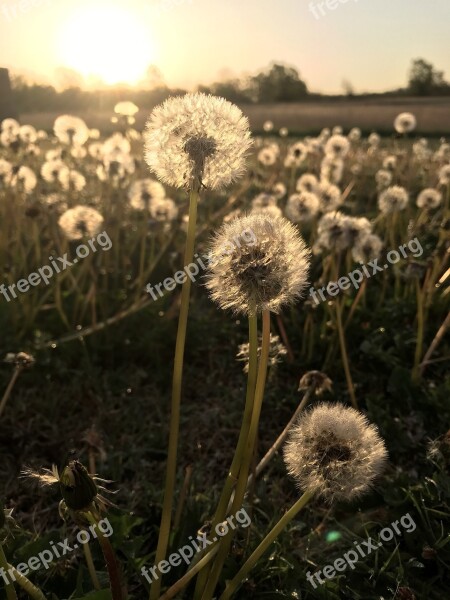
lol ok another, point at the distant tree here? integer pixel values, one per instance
(278, 84)
(424, 79)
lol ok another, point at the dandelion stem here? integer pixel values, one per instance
(233, 474)
(348, 376)
(9, 587)
(241, 487)
(264, 545)
(118, 590)
(420, 333)
(9, 389)
(91, 567)
(166, 517)
(281, 438)
(33, 591)
(182, 583)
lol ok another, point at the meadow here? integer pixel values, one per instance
(310, 117)
(309, 389)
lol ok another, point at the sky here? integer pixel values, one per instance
(369, 43)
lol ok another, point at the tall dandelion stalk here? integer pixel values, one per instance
(191, 142)
(259, 276)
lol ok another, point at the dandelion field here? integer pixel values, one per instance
(328, 312)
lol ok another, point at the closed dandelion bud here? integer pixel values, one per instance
(78, 489)
(317, 380)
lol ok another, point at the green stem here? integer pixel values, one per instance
(241, 487)
(33, 591)
(117, 586)
(9, 587)
(264, 545)
(348, 375)
(9, 389)
(233, 474)
(420, 333)
(91, 567)
(182, 583)
(166, 517)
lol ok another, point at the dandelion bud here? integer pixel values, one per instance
(317, 380)
(78, 489)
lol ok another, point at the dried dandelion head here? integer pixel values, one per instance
(337, 146)
(265, 274)
(405, 122)
(71, 130)
(330, 196)
(307, 183)
(144, 192)
(197, 139)
(393, 199)
(126, 108)
(80, 222)
(21, 360)
(317, 380)
(276, 351)
(302, 208)
(444, 175)
(366, 248)
(334, 452)
(429, 199)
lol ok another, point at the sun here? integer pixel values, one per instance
(106, 42)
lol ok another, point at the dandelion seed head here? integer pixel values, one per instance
(80, 222)
(405, 122)
(302, 207)
(267, 274)
(71, 130)
(429, 198)
(334, 452)
(197, 137)
(393, 199)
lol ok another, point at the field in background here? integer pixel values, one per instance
(433, 115)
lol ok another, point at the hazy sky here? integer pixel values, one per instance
(367, 42)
